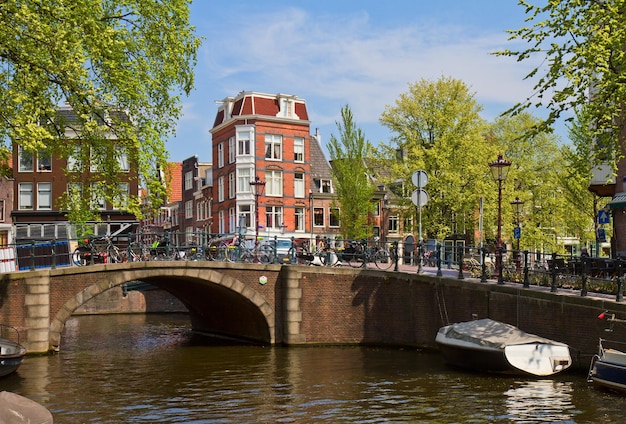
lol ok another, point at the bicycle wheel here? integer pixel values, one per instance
(113, 254)
(382, 259)
(77, 257)
(355, 259)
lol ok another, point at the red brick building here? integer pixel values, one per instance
(267, 137)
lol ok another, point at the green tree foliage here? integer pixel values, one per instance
(353, 186)
(535, 174)
(438, 129)
(579, 50)
(121, 65)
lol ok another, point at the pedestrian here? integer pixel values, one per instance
(584, 253)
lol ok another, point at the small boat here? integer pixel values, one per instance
(11, 352)
(493, 346)
(608, 367)
(18, 409)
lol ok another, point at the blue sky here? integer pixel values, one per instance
(358, 53)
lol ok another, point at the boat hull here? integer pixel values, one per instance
(608, 370)
(11, 356)
(491, 346)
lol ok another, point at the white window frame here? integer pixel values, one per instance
(298, 185)
(300, 219)
(189, 180)
(244, 176)
(334, 212)
(274, 147)
(274, 183)
(231, 185)
(244, 143)
(44, 161)
(315, 209)
(298, 149)
(123, 196)
(274, 217)
(189, 209)
(232, 149)
(25, 193)
(97, 203)
(220, 155)
(220, 188)
(44, 196)
(23, 164)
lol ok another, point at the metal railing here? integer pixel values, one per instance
(556, 271)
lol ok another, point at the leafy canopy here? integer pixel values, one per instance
(354, 189)
(120, 64)
(579, 48)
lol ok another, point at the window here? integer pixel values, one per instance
(334, 217)
(273, 183)
(26, 196)
(245, 213)
(318, 217)
(243, 145)
(232, 220)
(188, 180)
(273, 146)
(221, 224)
(220, 155)
(122, 161)
(189, 209)
(300, 222)
(121, 199)
(220, 189)
(44, 196)
(231, 185)
(243, 180)
(74, 162)
(97, 199)
(298, 149)
(325, 187)
(2, 211)
(393, 224)
(231, 150)
(298, 185)
(274, 217)
(44, 160)
(26, 160)
(376, 208)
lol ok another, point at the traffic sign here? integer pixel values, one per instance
(603, 217)
(517, 233)
(419, 197)
(420, 179)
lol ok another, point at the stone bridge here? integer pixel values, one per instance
(291, 305)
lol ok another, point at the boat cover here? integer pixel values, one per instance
(495, 334)
(16, 409)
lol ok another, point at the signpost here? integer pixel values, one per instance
(419, 198)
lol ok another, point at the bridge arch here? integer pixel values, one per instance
(217, 303)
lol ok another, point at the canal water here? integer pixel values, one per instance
(151, 369)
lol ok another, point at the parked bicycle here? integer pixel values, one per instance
(96, 250)
(358, 254)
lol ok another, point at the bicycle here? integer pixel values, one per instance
(359, 254)
(91, 252)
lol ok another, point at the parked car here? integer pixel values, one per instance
(283, 248)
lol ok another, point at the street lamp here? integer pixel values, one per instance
(517, 204)
(499, 172)
(258, 186)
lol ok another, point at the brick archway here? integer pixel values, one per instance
(213, 280)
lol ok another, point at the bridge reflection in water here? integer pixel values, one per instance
(149, 368)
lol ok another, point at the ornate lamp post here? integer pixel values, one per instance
(499, 171)
(517, 204)
(258, 187)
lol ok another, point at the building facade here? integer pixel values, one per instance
(270, 177)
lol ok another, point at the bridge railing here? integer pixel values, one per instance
(556, 271)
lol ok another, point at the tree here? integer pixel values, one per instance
(350, 176)
(582, 44)
(121, 65)
(439, 130)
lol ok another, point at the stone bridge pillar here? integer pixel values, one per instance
(292, 301)
(37, 307)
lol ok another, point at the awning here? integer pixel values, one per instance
(618, 201)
